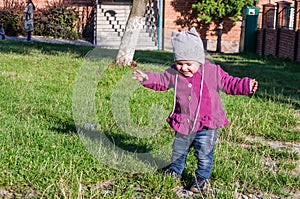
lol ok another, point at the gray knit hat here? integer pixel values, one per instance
(187, 45)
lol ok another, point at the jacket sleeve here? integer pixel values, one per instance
(233, 85)
(159, 81)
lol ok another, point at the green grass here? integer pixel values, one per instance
(41, 152)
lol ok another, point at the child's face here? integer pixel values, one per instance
(187, 68)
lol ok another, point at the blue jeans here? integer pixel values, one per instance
(203, 142)
(29, 36)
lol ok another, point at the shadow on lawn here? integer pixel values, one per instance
(154, 57)
(278, 79)
(118, 143)
(65, 128)
(21, 47)
(121, 143)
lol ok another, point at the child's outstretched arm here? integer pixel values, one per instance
(155, 81)
(140, 75)
(253, 85)
(235, 85)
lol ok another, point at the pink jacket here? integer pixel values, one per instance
(210, 112)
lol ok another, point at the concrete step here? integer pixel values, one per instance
(114, 12)
(117, 42)
(117, 18)
(108, 27)
(109, 31)
(115, 7)
(115, 37)
(123, 23)
(105, 22)
(111, 24)
(117, 46)
(113, 18)
(111, 42)
(118, 14)
(112, 21)
(120, 19)
(110, 34)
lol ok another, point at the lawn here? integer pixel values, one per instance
(74, 125)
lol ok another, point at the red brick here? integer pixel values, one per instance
(270, 39)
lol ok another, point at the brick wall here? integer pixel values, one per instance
(270, 41)
(279, 42)
(178, 15)
(286, 43)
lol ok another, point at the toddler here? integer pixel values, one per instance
(197, 112)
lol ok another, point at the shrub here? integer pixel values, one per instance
(58, 21)
(11, 15)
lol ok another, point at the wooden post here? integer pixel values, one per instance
(297, 15)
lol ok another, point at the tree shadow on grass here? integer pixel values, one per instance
(278, 79)
(154, 57)
(21, 47)
(64, 128)
(124, 145)
(141, 56)
(120, 143)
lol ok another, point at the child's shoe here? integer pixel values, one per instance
(198, 185)
(173, 173)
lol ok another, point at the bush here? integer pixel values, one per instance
(12, 19)
(58, 21)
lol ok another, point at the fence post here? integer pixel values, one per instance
(277, 42)
(296, 48)
(297, 15)
(263, 41)
(268, 16)
(282, 9)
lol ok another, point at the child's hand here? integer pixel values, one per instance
(140, 76)
(253, 85)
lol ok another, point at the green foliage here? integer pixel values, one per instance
(210, 10)
(58, 21)
(12, 18)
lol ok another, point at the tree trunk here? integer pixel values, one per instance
(134, 25)
(220, 31)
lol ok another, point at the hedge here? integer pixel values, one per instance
(56, 21)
